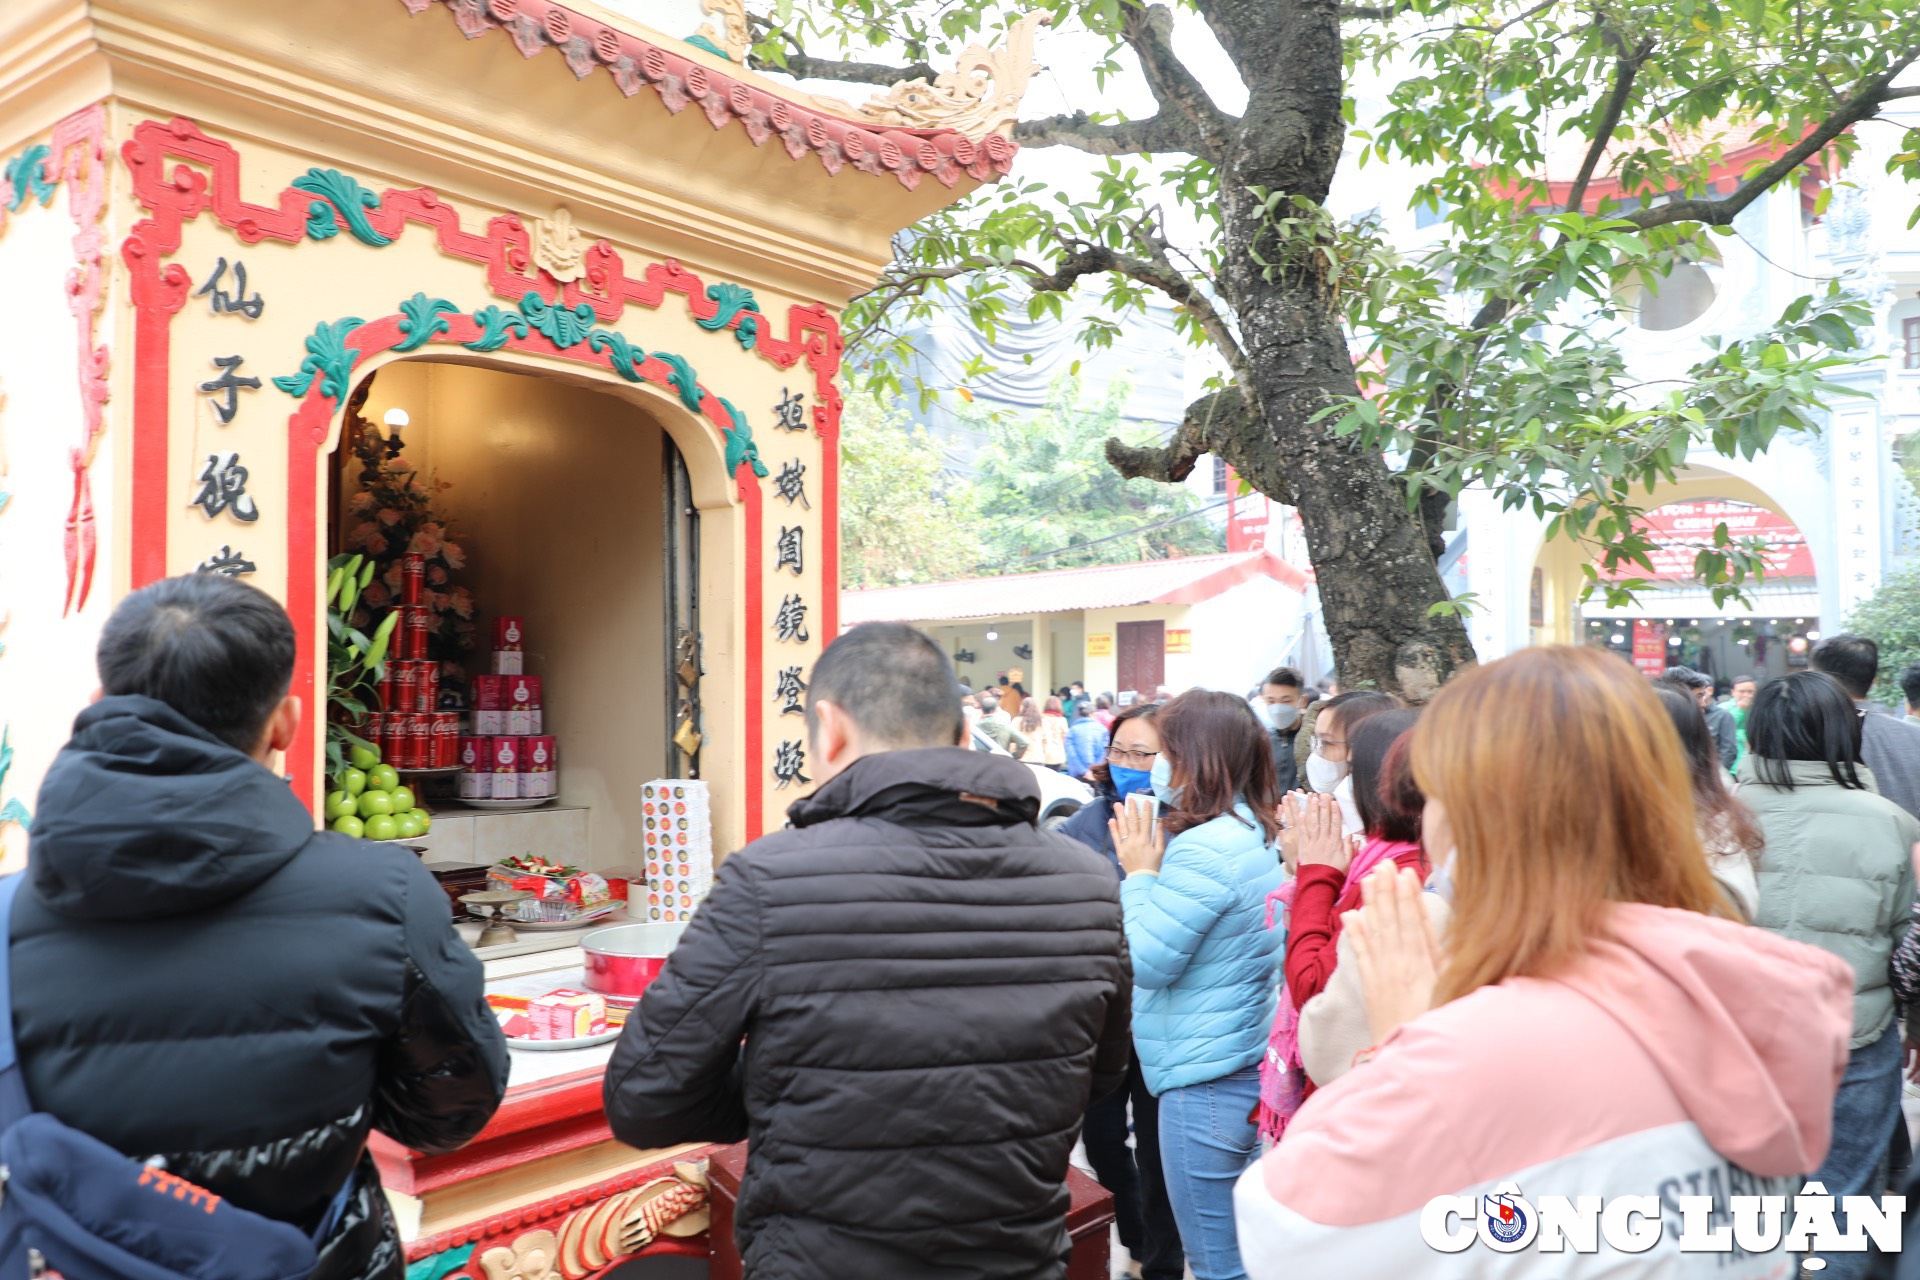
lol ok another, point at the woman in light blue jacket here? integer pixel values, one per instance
(1204, 961)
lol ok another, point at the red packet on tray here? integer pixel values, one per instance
(536, 1018)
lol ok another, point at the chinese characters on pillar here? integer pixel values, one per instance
(789, 765)
(791, 483)
(237, 302)
(223, 481)
(223, 487)
(787, 550)
(225, 390)
(1854, 445)
(227, 562)
(791, 413)
(787, 690)
(790, 621)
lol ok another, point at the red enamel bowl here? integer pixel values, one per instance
(621, 961)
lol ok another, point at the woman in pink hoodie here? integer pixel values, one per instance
(1593, 1025)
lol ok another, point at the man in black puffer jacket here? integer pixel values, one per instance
(199, 975)
(930, 990)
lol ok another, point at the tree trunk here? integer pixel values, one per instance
(1370, 554)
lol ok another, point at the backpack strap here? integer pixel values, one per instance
(13, 1086)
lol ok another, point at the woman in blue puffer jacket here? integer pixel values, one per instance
(1204, 961)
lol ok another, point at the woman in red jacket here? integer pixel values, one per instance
(1327, 885)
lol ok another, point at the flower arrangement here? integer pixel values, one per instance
(392, 514)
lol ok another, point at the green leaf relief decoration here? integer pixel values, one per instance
(495, 326)
(423, 319)
(748, 331)
(683, 379)
(347, 198)
(740, 445)
(329, 359)
(564, 326)
(28, 174)
(321, 223)
(732, 299)
(701, 42)
(626, 357)
(440, 1265)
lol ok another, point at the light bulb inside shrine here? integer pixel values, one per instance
(396, 420)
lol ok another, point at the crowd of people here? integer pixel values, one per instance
(1305, 964)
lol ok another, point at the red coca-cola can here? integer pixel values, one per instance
(374, 730)
(393, 737)
(404, 677)
(415, 623)
(402, 736)
(426, 687)
(420, 734)
(446, 739)
(413, 578)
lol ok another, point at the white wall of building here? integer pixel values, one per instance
(47, 667)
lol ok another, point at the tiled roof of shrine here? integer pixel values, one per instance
(589, 45)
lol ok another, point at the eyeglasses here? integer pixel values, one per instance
(1121, 757)
(1318, 742)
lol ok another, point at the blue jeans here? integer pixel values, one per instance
(1207, 1140)
(1865, 1112)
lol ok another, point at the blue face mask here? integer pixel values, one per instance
(1128, 782)
(1161, 779)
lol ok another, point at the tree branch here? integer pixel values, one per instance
(1148, 32)
(804, 66)
(1911, 91)
(1863, 105)
(1155, 270)
(1161, 134)
(1173, 461)
(1624, 73)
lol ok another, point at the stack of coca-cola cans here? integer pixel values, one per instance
(507, 754)
(411, 728)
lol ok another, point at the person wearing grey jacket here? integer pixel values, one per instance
(1889, 746)
(1837, 873)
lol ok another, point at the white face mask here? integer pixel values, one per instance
(1441, 881)
(1323, 775)
(1283, 715)
(1350, 823)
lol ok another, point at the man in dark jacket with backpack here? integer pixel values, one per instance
(930, 991)
(200, 976)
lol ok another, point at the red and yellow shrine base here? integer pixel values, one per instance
(545, 1193)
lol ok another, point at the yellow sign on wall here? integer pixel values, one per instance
(1100, 646)
(1179, 642)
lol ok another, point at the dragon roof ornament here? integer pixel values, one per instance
(979, 97)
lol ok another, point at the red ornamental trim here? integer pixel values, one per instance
(210, 182)
(78, 158)
(502, 1228)
(907, 154)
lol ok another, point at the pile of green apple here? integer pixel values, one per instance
(369, 801)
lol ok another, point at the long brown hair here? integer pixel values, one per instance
(1029, 716)
(1723, 816)
(1384, 791)
(1566, 789)
(1220, 754)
